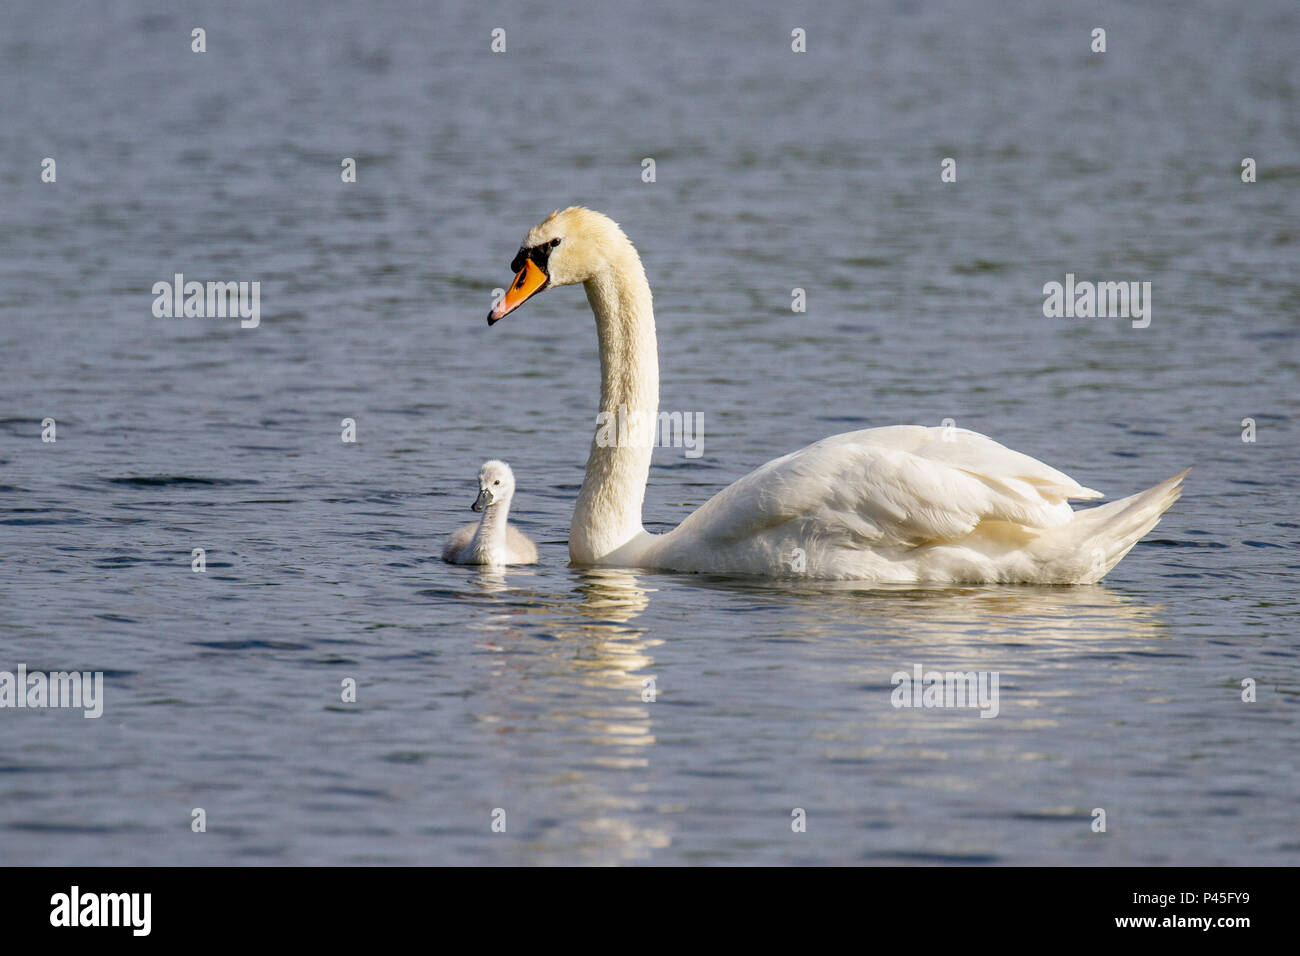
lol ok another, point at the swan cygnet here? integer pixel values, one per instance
(492, 540)
(904, 504)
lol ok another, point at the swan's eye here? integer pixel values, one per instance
(497, 482)
(555, 242)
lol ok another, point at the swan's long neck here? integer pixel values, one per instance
(608, 513)
(491, 533)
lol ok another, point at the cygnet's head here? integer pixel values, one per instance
(568, 246)
(496, 482)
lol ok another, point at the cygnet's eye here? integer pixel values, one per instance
(555, 242)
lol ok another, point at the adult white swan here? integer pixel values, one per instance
(898, 505)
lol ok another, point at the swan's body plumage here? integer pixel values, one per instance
(897, 505)
(514, 548)
(492, 540)
(904, 505)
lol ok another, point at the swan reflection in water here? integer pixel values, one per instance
(573, 723)
(572, 696)
(1077, 614)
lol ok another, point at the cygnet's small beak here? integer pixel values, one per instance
(484, 499)
(528, 281)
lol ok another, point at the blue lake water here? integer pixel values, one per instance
(523, 690)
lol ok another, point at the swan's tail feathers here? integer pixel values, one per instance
(1098, 538)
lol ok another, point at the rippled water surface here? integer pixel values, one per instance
(524, 690)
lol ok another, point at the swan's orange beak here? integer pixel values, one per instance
(529, 281)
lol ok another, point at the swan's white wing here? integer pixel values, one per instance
(456, 543)
(519, 547)
(882, 488)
